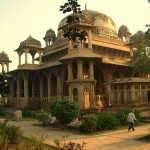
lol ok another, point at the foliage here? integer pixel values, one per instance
(43, 117)
(14, 134)
(70, 30)
(141, 60)
(4, 88)
(64, 110)
(9, 134)
(73, 146)
(89, 124)
(122, 116)
(3, 135)
(107, 121)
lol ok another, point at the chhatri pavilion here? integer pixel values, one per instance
(97, 74)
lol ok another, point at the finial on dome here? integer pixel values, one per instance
(85, 5)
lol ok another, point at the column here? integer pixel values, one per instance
(7, 67)
(19, 55)
(59, 92)
(70, 77)
(32, 59)
(70, 45)
(26, 88)
(89, 39)
(91, 70)
(41, 87)
(33, 88)
(49, 89)
(40, 57)
(18, 92)
(26, 57)
(2, 67)
(80, 67)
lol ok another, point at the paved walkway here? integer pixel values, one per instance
(113, 140)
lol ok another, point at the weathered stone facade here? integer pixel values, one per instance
(97, 73)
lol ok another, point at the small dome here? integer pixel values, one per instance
(3, 56)
(123, 30)
(50, 33)
(30, 42)
(137, 37)
(104, 23)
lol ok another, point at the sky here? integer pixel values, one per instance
(21, 18)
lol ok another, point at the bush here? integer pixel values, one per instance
(64, 110)
(122, 116)
(107, 121)
(89, 124)
(9, 134)
(43, 117)
(14, 134)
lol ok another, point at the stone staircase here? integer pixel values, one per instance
(8, 111)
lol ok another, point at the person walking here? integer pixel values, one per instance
(131, 118)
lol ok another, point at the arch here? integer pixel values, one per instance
(85, 70)
(75, 95)
(98, 76)
(74, 70)
(148, 96)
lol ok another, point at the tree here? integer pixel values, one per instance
(64, 110)
(4, 88)
(71, 30)
(141, 55)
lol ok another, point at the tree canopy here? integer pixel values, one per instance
(71, 31)
(4, 88)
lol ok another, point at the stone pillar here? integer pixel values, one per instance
(26, 57)
(80, 68)
(81, 96)
(33, 88)
(41, 86)
(70, 45)
(91, 70)
(40, 57)
(7, 67)
(32, 59)
(18, 91)
(19, 59)
(26, 88)
(70, 77)
(49, 88)
(132, 94)
(2, 67)
(89, 39)
(59, 90)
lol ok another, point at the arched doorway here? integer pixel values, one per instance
(75, 95)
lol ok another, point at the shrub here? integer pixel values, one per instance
(43, 117)
(107, 121)
(14, 134)
(122, 116)
(89, 124)
(64, 110)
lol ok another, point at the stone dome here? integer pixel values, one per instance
(123, 30)
(137, 37)
(30, 42)
(3, 56)
(50, 33)
(104, 24)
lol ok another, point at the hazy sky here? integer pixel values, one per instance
(21, 18)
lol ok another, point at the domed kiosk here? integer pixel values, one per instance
(101, 23)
